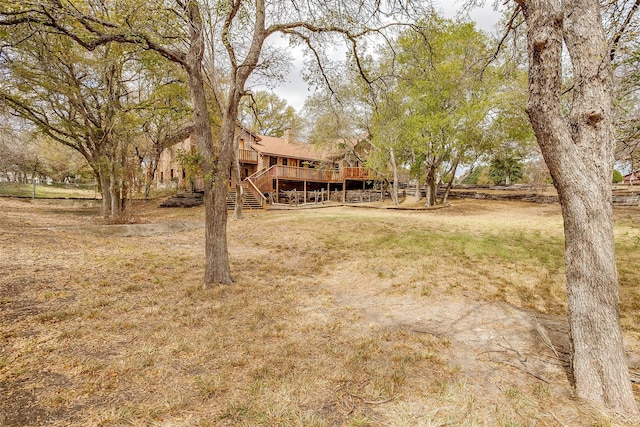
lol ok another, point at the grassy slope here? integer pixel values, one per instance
(47, 191)
(118, 330)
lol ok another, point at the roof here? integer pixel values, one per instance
(269, 145)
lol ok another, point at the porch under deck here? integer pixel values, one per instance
(302, 185)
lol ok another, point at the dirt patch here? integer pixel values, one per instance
(20, 407)
(136, 230)
(496, 346)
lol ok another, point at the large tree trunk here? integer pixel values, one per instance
(114, 196)
(394, 184)
(579, 154)
(430, 187)
(114, 190)
(215, 170)
(104, 180)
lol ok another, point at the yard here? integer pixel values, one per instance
(338, 317)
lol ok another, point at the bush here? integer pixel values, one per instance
(617, 177)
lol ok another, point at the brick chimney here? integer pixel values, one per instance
(288, 136)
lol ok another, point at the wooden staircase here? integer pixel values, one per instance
(250, 201)
(187, 200)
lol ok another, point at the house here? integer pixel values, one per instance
(281, 169)
(171, 173)
(632, 178)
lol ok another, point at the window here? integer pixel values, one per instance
(284, 161)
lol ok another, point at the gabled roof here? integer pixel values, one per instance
(272, 146)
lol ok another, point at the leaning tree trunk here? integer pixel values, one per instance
(215, 170)
(452, 177)
(579, 153)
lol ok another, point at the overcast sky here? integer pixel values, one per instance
(296, 91)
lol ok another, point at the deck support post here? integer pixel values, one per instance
(277, 190)
(305, 192)
(344, 191)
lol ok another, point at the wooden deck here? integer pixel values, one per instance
(305, 174)
(263, 179)
(248, 156)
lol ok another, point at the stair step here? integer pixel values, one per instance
(187, 200)
(250, 201)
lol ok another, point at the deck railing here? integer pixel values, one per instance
(257, 194)
(263, 179)
(358, 173)
(247, 156)
(369, 174)
(305, 174)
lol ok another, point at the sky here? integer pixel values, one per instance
(295, 90)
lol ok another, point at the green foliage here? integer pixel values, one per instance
(191, 163)
(81, 99)
(475, 176)
(617, 176)
(506, 169)
(265, 113)
(444, 103)
(439, 108)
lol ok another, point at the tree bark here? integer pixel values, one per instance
(115, 186)
(215, 175)
(452, 172)
(430, 187)
(151, 173)
(237, 211)
(114, 195)
(579, 153)
(105, 205)
(394, 184)
(104, 179)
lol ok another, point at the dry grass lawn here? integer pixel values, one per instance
(338, 317)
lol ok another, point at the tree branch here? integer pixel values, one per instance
(616, 39)
(507, 30)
